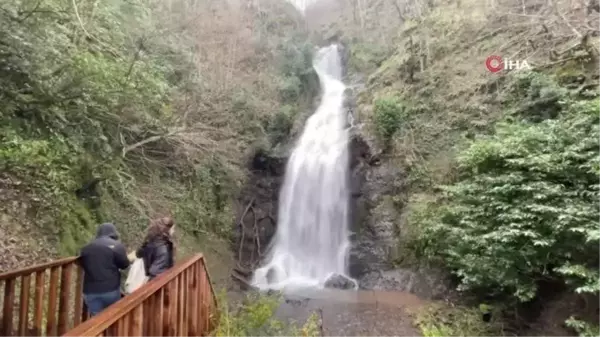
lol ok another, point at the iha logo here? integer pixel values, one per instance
(496, 63)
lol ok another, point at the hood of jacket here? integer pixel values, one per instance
(109, 230)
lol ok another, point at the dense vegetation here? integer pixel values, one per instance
(161, 101)
(523, 210)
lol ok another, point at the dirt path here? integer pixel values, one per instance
(356, 313)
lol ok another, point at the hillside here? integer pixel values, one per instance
(452, 143)
(123, 111)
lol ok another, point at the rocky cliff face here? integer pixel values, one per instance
(256, 214)
(377, 226)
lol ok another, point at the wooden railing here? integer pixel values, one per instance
(179, 302)
(51, 307)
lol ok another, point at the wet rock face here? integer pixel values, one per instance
(359, 158)
(266, 165)
(256, 213)
(377, 223)
(337, 281)
(373, 215)
(427, 283)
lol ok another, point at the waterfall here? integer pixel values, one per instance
(302, 4)
(312, 239)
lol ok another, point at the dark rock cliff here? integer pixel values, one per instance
(256, 214)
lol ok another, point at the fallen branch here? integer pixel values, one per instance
(566, 22)
(257, 239)
(243, 228)
(243, 281)
(90, 36)
(246, 211)
(253, 238)
(241, 270)
(268, 216)
(129, 148)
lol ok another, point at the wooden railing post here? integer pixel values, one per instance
(167, 304)
(135, 329)
(7, 312)
(63, 307)
(192, 314)
(24, 305)
(158, 312)
(199, 299)
(78, 297)
(52, 302)
(38, 314)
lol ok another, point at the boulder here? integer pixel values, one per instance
(338, 281)
(426, 283)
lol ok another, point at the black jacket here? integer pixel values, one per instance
(101, 260)
(157, 255)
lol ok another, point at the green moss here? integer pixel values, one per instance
(53, 168)
(77, 227)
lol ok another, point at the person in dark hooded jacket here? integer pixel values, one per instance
(101, 260)
(157, 250)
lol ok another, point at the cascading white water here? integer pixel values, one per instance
(302, 4)
(312, 239)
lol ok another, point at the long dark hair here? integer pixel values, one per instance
(159, 229)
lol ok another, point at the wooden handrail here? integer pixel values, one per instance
(39, 267)
(179, 302)
(57, 299)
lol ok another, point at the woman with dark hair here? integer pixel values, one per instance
(157, 250)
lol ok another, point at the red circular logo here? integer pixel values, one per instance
(494, 63)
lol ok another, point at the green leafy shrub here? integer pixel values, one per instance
(525, 207)
(255, 317)
(387, 115)
(584, 329)
(439, 320)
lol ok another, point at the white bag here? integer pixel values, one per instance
(136, 276)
